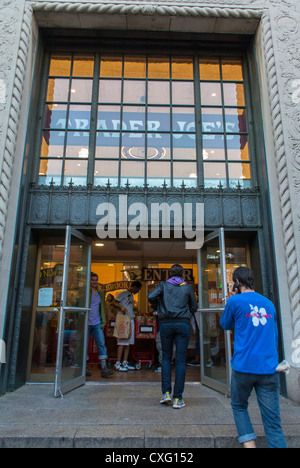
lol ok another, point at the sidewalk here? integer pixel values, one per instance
(128, 416)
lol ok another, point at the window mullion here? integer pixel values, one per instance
(94, 119)
(198, 122)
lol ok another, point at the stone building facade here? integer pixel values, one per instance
(275, 28)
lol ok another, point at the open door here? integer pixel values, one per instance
(215, 343)
(73, 320)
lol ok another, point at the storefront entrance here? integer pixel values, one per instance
(58, 341)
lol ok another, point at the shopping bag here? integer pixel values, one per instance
(122, 329)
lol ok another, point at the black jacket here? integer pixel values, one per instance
(173, 302)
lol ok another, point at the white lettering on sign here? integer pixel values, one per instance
(133, 221)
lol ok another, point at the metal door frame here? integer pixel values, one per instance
(59, 387)
(209, 382)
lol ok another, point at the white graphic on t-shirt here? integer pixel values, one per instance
(258, 315)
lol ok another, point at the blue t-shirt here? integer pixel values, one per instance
(94, 315)
(255, 333)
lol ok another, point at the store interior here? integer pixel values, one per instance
(117, 262)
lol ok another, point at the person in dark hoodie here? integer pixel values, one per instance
(175, 303)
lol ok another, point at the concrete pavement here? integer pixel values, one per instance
(128, 416)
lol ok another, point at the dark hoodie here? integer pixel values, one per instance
(174, 300)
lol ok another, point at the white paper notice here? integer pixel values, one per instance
(45, 297)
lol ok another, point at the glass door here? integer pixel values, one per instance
(73, 316)
(215, 343)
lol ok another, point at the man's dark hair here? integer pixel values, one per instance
(244, 276)
(94, 275)
(136, 284)
(177, 270)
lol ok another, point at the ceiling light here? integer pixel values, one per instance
(98, 244)
(83, 153)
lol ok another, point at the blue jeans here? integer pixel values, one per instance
(98, 335)
(177, 333)
(267, 392)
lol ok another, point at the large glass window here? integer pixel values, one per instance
(145, 119)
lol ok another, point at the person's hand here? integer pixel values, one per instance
(232, 290)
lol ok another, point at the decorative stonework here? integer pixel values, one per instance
(10, 110)
(59, 206)
(149, 8)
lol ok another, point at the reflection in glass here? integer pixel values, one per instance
(184, 146)
(109, 117)
(235, 120)
(158, 92)
(77, 274)
(133, 146)
(111, 67)
(214, 347)
(234, 94)
(79, 117)
(77, 145)
(209, 69)
(58, 90)
(81, 90)
(52, 144)
(183, 119)
(214, 174)
(107, 145)
(158, 146)
(213, 154)
(158, 119)
(182, 93)
(237, 147)
(47, 314)
(212, 119)
(72, 359)
(55, 116)
(239, 174)
(213, 141)
(158, 173)
(182, 68)
(134, 92)
(133, 173)
(75, 172)
(106, 171)
(185, 172)
(133, 118)
(232, 70)
(60, 65)
(135, 67)
(83, 66)
(158, 68)
(211, 94)
(110, 91)
(50, 170)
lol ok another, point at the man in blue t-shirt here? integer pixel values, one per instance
(255, 359)
(96, 324)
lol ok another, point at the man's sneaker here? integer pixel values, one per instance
(157, 369)
(178, 403)
(128, 366)
(106, 372)
(166, 398)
